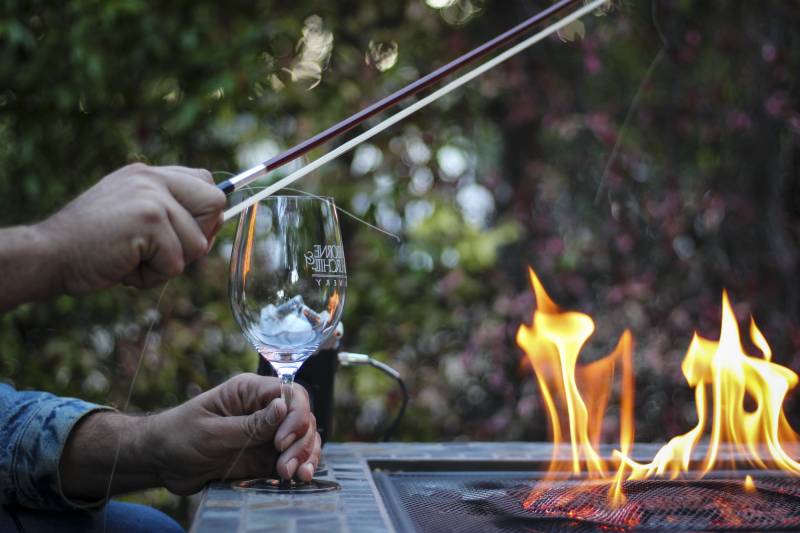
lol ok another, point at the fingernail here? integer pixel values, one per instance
(308, 470)
(274, 412)
(291, 466)
(286, 441)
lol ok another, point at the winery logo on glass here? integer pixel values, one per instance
(327, 263)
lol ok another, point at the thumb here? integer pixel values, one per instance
(256, 428)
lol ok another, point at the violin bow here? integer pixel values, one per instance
(248, 176)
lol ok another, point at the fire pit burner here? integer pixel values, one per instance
(699, 505)
(495, 502)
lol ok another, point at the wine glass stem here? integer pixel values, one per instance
(287, 380)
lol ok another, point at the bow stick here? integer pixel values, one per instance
(248, 176)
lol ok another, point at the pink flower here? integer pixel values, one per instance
(768, 52)
(776, 104)
(794, 122)
(592, 63)
(738, 120)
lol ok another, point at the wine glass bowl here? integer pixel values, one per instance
(287, 285)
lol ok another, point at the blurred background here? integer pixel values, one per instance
(639, 162)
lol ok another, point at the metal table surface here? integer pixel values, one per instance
(357, 508)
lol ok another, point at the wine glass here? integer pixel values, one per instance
(287, 288)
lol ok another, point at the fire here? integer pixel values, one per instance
(333, 303)
(738, 397)
(248, 252)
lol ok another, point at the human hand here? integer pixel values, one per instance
(140, 225)
(236, 430)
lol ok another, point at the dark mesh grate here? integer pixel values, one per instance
(493, 502)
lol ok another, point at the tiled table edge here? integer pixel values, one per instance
(225, 509)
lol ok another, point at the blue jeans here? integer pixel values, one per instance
(116, 517)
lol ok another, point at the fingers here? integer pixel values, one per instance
(305, 472)
(242, 425)
(261, 426)
(247, 393)
(301, 458)
(255, 429)
(297, 421)
(193, 241)
(165, 257)
(261, 461)
(140, 225)
(249, 399)
(200, 173)
(194, 189)
(194, 211)
(160, 259)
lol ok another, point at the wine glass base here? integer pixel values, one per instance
(281, 486)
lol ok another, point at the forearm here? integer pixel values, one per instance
(107, 446)
(29, 268)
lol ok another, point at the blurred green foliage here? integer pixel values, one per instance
(697, 101)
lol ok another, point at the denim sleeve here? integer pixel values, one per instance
(34, 427)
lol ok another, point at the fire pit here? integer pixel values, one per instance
(466, 487)
(736, 470)
(500, 501)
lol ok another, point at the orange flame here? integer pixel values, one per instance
(248, 250)
(722, 374)
(333, 303)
